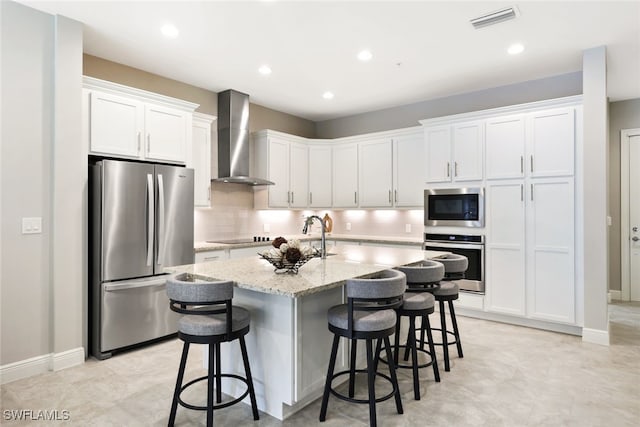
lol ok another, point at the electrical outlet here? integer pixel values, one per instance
(267, 228)
(407, 228)
(348, 225)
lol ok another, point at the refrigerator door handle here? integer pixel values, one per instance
(134, 285)
(150, 218)
(160, 219)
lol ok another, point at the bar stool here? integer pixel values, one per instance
(419, 302)
(368, 315)
(455, 266)
(209, 318)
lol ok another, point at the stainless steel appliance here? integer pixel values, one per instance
(141, 220)
(471, 246)
(455, 207)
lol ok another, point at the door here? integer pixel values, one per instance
(279, 195)
(505, 145)
(375, 173)
(438, 153)
(116, 125)
(468, 143)
(127, 219)
(345, 176)
(299, 177)
(633, 238)
(174, 217)
(166, 133)
(550, 143)
(135, 312)
(409, 173)
(320, 176)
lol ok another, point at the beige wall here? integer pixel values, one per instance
(622, 115)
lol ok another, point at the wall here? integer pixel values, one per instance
(622, 115)
(409, 115)
(43, 295)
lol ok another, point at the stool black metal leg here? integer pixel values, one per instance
(397, 342)
(210, 380)
(406, 347)
(352, 367)
(456, 333)
(424, 320)
(327, 384)
(394, 378)
(371, 380)
(218, 374)
(432, 348)
(377, 355)
(414, 355)
(445, 344)
(176, 393)
(247, 371)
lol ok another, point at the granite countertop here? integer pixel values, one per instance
(409, 241)
(349, 261)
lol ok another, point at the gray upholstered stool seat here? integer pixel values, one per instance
(446, 289)
(362, 320)
(455, 265)
(425, 272)
(209, 318)
(418, 301)
(213, 324)
(368, 315)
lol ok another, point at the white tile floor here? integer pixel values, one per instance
(510, 376)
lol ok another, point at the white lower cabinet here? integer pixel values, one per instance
(530, 249)
(211, 255)
(247, 252)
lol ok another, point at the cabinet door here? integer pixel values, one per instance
(201, 148)
(438, 153)
(279, 195)
(468, 150)
(551, 143)
(299, 176)
(210, 256)
(116, 125)
(550, 248)
(166, 133)
(505, 147)
(375, 161)
(320, 176)
(345, 175)
(409, 170)
(505, 260)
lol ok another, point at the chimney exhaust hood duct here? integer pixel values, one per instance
(233, 139)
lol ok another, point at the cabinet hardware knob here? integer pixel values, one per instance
(532, 192)
(521, 165)
(531, 163)
(455, 168)
(448, 170)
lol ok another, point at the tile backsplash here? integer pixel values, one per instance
(232, 215)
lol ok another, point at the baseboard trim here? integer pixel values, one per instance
(615, 295)
(40, 365)
(595, 336)
(67, 359)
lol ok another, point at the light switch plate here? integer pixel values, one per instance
(32, 225)
(348, 225)
(407, 228)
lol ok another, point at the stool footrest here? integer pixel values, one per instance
(401, 365)
(219, 405)
(353, 400)
(449, 333)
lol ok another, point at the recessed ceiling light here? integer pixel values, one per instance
(365, 55)
(170, 31)
(328, 95)
(264, 70)
(515, 49)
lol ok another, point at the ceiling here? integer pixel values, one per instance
(421, 49)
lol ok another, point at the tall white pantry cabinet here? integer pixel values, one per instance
(530, 154)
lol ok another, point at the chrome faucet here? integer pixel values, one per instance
(307, 223)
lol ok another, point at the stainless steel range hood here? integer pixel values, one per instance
(233, 139)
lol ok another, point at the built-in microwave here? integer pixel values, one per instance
(454, 207)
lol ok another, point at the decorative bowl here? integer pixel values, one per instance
(283, 266)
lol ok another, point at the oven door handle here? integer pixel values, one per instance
(445, 246)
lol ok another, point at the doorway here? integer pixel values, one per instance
(630, 214)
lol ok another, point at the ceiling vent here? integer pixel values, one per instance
(494, 17)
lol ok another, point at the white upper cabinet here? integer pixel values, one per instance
(505, 147)
(320, 167)
(299, 175)
(454, 152)
(166, 133)
(131, 123)
(116, 125)
(551, 143)
(201, 158)
(345, 175)
(375, 173)
(278, 158)
(408, 170)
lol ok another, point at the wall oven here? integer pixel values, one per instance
(454, 207)
(470, 246)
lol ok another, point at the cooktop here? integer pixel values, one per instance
(233, 241)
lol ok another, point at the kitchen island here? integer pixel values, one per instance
(289, 342)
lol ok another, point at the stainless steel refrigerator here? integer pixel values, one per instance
(141, 220)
